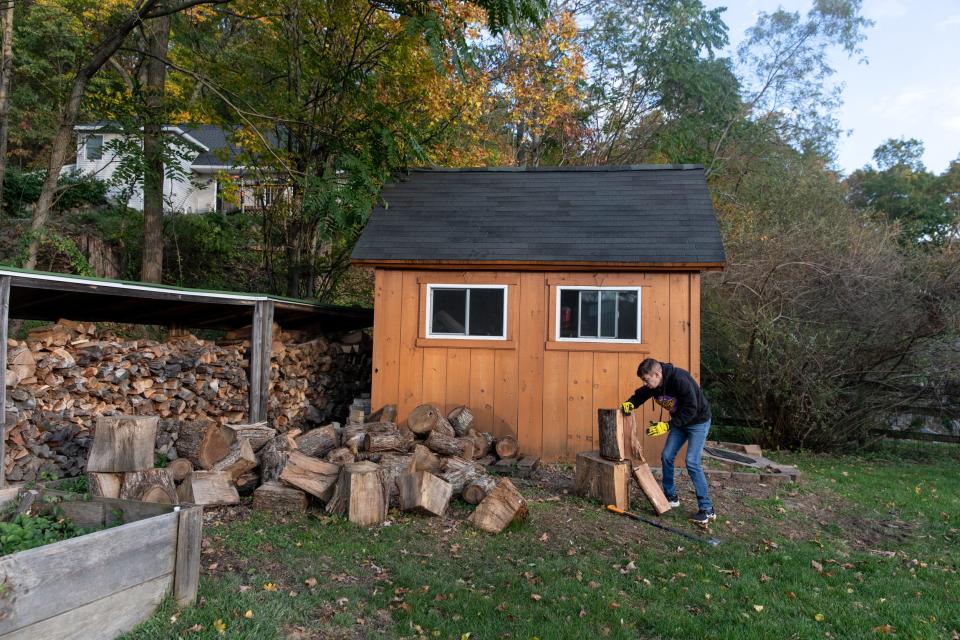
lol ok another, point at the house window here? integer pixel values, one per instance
(598, 314)
(94, 147)
(475, 311)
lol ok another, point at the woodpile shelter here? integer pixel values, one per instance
(531, 295)
(281, 360)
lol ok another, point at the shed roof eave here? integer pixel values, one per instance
(541, 265)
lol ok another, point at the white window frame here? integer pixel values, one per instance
(455, 336)
(559, 296)
(86, 148)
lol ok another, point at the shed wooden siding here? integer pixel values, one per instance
(544, 392)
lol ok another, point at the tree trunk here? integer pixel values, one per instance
(204, 443)
(123, 443)
(6, 70)
(423, 419)
(449, 446)
(157, 34)
(318, 442)
(361, 494)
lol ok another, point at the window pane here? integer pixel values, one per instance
(608, 314)
(94, 147)
(449, 311)
(569, 313)
(628, 303)
(588, 314)
(486, 312)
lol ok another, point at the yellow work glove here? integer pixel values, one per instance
(627, 408)
(657, 429)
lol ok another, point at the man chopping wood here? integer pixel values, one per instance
(675, 390)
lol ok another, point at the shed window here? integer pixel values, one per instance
(598, 314)
(94, 147)
(477, 311)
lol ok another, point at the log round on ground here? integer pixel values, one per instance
(507, 447)
(476, 490)
(459, 472)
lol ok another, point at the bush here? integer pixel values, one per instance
(80, 191)
(22, 188)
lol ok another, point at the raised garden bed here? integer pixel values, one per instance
(102, 584)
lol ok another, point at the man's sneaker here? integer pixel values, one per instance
(673, 501)
(703, 517)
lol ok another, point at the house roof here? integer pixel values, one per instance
(638, 216)
(217, 151)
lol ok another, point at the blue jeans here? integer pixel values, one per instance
(694, 435)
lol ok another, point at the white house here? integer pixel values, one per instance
(206, 156)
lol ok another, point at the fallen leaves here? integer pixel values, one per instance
(536, 597)
(269, 586)
(220, 626)
(249, 614)
(310, 582)
(819, 617)
(885, 629)
(758, 608)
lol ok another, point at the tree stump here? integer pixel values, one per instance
(502, 506)
(476, 490)
(318, 442)
(208, 487)
(449, 446)
(424, 492)
(152, 485)
(180, 469)
(204, 443)
(104, 485)
(361, 494)
(316, 477)
(423, 419)
(612, 443)
(461, 419)
(280, 499)
(123, 443)
(604, 480)
(507, 447)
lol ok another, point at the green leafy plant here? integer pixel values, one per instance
(27, 532)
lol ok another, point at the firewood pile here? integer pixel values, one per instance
(362, 469)
(65, 375)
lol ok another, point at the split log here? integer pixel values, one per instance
(482, 443)
(342, 455)
(386, 413)
(423, 419)
(601, 479)
(104, 485)
(204, 443)
(318, 442)
(123, 443)
(316, 477)
(461, 419)
(650, 487)
(459, 472)
(424, 492)
(258, 433)
(152, 485)
(393, 466)
(502, 506)
(180, 469)
(240, 460)
(361, 494)
(208, 487)
(507, 447)
(400, 441)
(280, 499)
(448, 446)
(476, 490)
(610, 425)
(272, 457)
(425, 460)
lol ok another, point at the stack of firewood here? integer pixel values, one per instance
(362, 469)
(65, 375)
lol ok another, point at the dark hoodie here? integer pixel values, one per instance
(679, 394)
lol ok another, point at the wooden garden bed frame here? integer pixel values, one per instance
(102, 584)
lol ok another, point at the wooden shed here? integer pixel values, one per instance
(531, 295)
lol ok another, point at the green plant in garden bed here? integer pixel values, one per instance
(26, 532)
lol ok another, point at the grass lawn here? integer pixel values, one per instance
(866, 546)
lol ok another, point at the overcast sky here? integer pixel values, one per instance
(910, 86)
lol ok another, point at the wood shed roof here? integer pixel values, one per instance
(623, 217)
(36, 295)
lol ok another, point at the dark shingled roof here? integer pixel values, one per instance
(646, 214)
